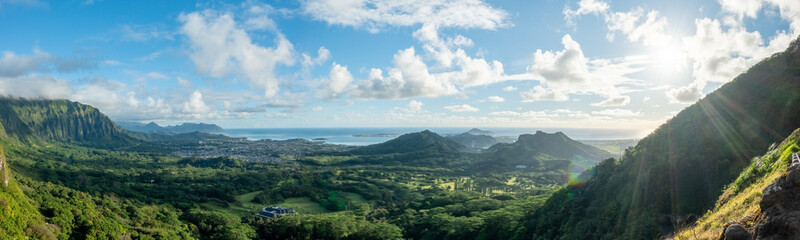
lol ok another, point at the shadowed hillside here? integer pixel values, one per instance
(681, 168)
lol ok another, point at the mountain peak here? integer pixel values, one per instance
(476, 131)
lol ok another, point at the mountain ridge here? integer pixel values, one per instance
(59, 120)
(186, 127)
(680, 168)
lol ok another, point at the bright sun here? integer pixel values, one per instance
(668, 58)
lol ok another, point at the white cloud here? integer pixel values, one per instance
(509, 88)
(414, 106)
(410, 78)
(617, 113)
(649, 28)
(614, 101)
(720, 55)
(340, 79)
(495, 99)
(317, 109)
(743, 8)
(584, 7)
(539, 93)
(195, 104)
(34, 87)
(219, 48)
(686, 94)
(375, 14)
(461, 108)
(569, 71)
(323, 54)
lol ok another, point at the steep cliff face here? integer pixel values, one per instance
(3, 168)
(59, 120)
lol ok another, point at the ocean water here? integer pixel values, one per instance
(350, 136)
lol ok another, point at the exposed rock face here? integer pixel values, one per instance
(3, 166)
(780, 212)
(736, 232)
(780, 208)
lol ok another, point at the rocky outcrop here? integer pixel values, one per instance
(780, 208)
(780, 212)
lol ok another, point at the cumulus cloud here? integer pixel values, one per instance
(584, 7)
(195, 104)
(414, 106)
(219, 48)
(686, 94)
(509, 88)
(340, 79)
(637, 26)
(376, 14)
(323, 54)
(719, 55)
(569, 71)
(461, 108)
(409, 78)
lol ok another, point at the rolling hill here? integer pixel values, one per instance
(421, 142)
(474, 141)
(544, 150)
(680, 169)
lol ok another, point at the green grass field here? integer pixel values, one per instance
(303, 205)
(244, 205)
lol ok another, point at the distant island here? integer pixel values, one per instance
(152, 127)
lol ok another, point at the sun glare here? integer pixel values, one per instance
(666, 59)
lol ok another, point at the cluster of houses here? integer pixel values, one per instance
(274, 212)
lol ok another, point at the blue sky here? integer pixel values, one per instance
(374, 63)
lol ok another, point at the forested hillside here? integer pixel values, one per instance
(58, 120)
(680, 169)
(544, 150)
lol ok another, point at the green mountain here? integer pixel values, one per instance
(59, 120)
(420, 142)
(474, 141)
(680, 169)
(152, 127)
(550, 151)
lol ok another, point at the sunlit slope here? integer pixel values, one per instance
(681, 168)
(58, 120)
(742, 197)
(18, 218)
